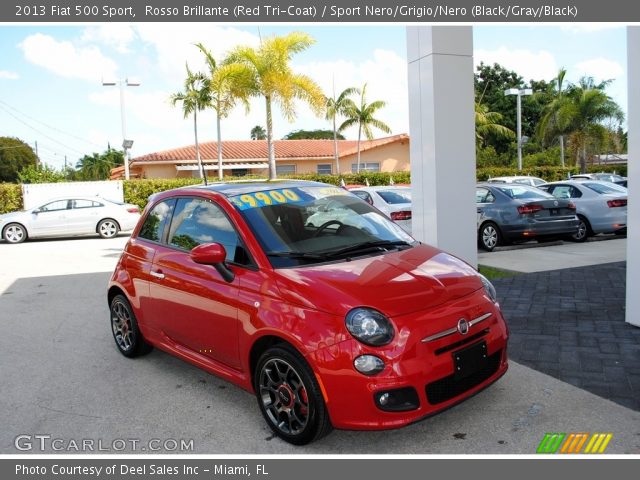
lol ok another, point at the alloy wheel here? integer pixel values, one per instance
(121, 325)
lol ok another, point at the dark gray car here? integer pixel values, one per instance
(511, 212)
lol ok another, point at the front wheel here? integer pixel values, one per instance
(583, 231)
(14, 233)
(489, 236)
(289, 397)
(108, 228)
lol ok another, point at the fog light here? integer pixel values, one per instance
(368, 364)
(398, 400)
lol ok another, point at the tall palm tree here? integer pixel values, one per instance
(581, 112)
(226, 87)
(363, 116)
(488, 123)
(195, 97)
(335, 107)
(258, 133)
(548, 124)
(274, 79)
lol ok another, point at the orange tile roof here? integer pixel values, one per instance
(257, 149)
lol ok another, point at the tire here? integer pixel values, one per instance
(124, 327)
(14, 233)
(289, 397)
(584, 230)
(489, 236)
(108, 228)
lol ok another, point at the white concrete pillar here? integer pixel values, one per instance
(633, 174)
(442, 131)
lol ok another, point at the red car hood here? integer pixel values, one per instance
(394, 283)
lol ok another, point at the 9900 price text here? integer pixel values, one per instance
(74, 11)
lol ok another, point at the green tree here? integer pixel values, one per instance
(14, 156)
(227, 84)
(335, 107)
(195, 97)
(312, 135)
(273, 78)
(489, 124)
(97, 166)
(548, 124)
(581, 112)
(362, 115)
(44, 174)
(258, 133)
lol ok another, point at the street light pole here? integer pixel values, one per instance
(519, 93)
(126, 144)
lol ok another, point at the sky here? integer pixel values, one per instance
(51, 77)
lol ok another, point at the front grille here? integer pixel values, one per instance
(462, 342)
(449, 387)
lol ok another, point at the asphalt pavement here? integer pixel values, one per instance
(62, 377)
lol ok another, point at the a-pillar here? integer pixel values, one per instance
(442, 132)
(633, 175)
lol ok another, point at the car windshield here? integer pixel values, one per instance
(311, 224)
(395, 196)
(521, 192)
(605, 188)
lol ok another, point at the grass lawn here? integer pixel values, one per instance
(493, 273)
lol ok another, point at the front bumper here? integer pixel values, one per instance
(411, 365)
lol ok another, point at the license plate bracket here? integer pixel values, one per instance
(470, 360)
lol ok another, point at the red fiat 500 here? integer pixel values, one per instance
(312, 299)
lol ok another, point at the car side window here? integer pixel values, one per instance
(364, 196)
(484, 195)
(575, 193)
(155, 222)
(54, 206)
(82, 203)
(197, 221)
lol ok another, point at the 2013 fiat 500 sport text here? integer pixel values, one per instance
(349, 324)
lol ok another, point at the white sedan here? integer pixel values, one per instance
(71, 216)
(395, 202)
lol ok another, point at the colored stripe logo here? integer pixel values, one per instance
(574, 443)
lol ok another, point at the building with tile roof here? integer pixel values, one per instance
(249, 157)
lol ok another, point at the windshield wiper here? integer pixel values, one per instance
(380, 245)
(306, 255)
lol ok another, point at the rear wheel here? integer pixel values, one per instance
(14, 233)
(124, 327)
(108, 228)
(289, 396)
(489, 236)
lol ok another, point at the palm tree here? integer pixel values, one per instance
(488, 123)
(549, 122)
(226, 86)
(363, 116)
(273, 79)
(258, 133)
(194, 97)
(335, 107)
(580, 112)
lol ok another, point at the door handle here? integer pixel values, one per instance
(156, 274)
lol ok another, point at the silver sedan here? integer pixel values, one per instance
(601, 206)
(68, 217)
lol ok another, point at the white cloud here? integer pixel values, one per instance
(529, 65)
(7, 75)
(113, 35)
(588, 27)
(67, 60)
(599, 68)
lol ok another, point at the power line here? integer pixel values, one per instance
(49, 126)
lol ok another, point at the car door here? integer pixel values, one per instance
(50, 219)
(83, 216)
(484, 202)
(194, 307)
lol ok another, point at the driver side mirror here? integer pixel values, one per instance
(36, 211)
(213, 254)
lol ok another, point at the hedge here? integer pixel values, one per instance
(138, 191)
(10, 197)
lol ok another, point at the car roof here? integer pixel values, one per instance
(375, 188)
(512, 177)
(231, 189)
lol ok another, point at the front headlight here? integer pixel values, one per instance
(369, 326)
(489, 288)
